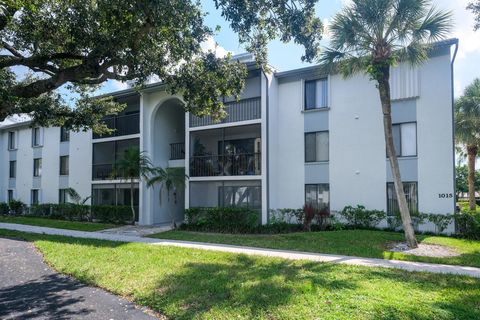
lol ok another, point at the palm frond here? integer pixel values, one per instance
(436, 26)
(383, 31)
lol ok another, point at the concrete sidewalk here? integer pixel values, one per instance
(285, 254)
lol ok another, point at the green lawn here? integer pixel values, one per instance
(53, 223)
(185, 283)
(361, 243)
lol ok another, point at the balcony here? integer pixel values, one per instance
(243, 110)
(177, 151)
(246, 164)
(122, 125)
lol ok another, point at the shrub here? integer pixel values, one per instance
(395, 221)
(360, 217)
(4, 208)
(17, 207)
(467, 224)
(63, 211)
(440, 221)
(111, 214)
(228, 220)
(286, 215)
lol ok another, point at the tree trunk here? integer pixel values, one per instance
(132, 185)
(384, 90)
(472, 152)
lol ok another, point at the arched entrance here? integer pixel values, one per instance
(168, 145)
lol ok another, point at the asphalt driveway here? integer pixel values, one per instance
(29, 289)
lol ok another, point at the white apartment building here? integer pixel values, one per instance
(294, 137)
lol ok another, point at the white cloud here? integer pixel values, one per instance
(119, 85)
(211, 45)
(463, 26)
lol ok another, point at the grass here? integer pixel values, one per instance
(361, 243)
(185, 283)
(53, 223)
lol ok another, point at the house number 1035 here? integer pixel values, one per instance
(445, 195)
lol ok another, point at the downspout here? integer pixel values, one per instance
(267, 144)
(453, 127)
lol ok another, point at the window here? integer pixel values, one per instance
(36, 137)
(316, 146)
(240, 196)
(411, 192)
(12, 144)
(316, 94)
(37, 167)
(64, 134)
(64, 166)
(10, 196)
(405, 139)
(62, 196)
(318, 195)
(13, 169)
(34, 196)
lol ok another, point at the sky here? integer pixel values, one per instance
(287, 56)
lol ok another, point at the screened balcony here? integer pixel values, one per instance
(243, 110)
(126, 122)
(234, 151)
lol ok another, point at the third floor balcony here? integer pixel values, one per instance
(243, 110)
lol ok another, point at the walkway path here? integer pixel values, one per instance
(294, 255)
(29, 289)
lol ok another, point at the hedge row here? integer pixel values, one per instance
(228, 220)
(70, 211)
(243, 220)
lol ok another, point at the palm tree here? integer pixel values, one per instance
(75, 196)
(132, 166)
(173, 179)
(373, 35)
(467, 131)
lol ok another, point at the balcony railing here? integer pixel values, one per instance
(102, 172)
(246, 109)
(177, 151)
(122, 125)
(246, 164)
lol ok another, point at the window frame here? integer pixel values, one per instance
(317, 185)
(14, 174)
(35, 143)
(316, 107)
(399, 152)
(32, 193)
(37, 168)
(10, 142)
(67, 171)
(64, 135)
(62, 192)
(305, 146)
(389, 213)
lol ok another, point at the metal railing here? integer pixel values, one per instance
(122, 125)
(177, 151)
(246, 164)
(102, 172)
(246, 109)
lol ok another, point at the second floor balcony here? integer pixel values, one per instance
(243, 110)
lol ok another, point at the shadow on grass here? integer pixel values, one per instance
(205, 284)
(252, 287)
